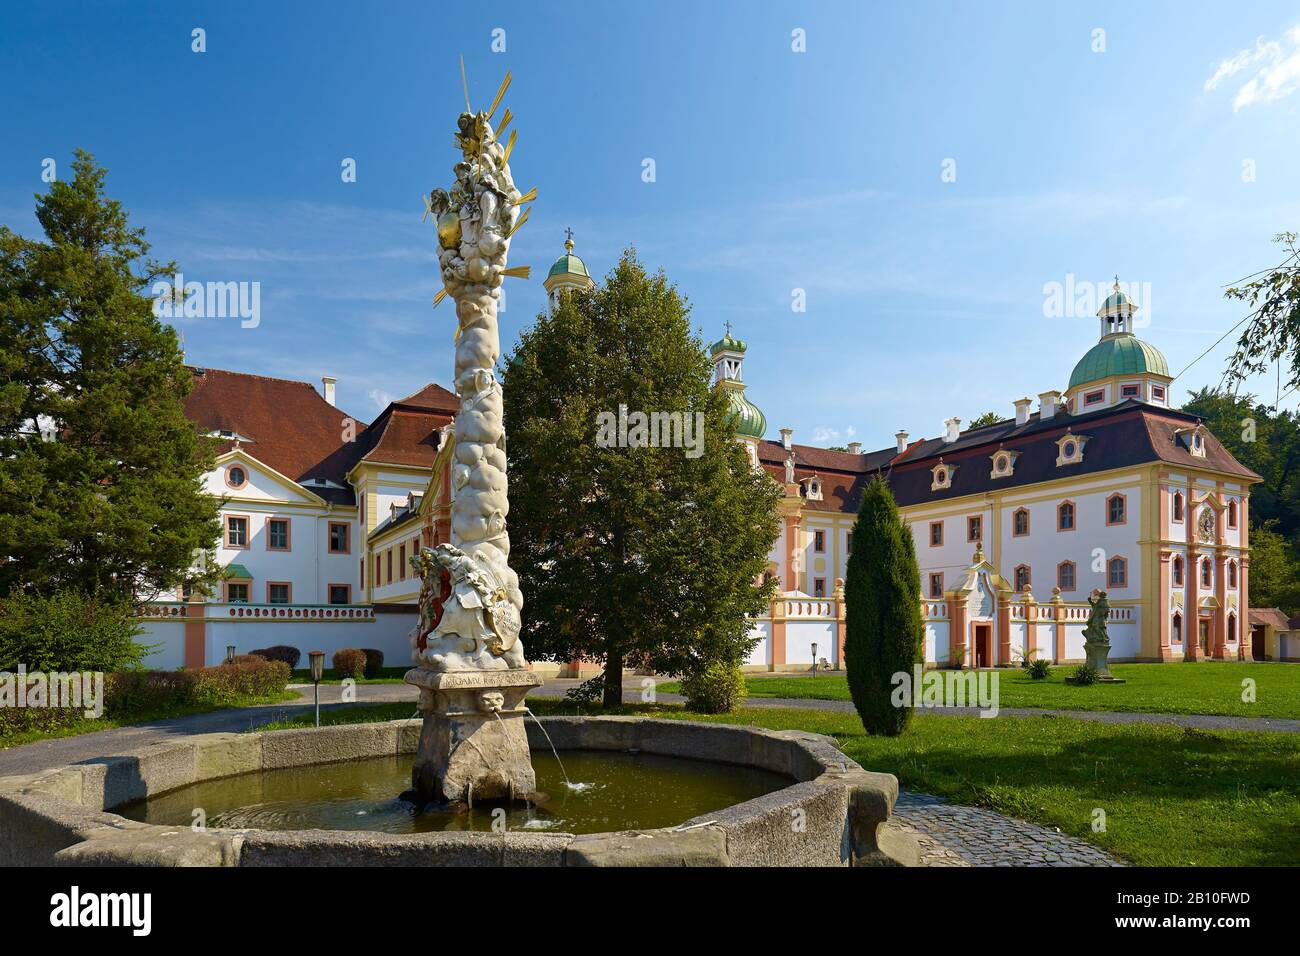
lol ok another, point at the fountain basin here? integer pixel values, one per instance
(832, 812)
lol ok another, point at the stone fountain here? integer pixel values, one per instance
(470, 665)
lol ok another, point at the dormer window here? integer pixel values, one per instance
(1004, 463)
(812, 488)
(1069, 449)
(1193, 439)
(942, 476)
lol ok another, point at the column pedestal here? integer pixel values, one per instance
(473, 745)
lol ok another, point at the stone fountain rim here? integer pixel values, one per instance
(67, 811)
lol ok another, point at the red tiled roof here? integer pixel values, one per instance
(292, 429)
(290, 426)
(402, 437)
(434, 398)
(1270, 615)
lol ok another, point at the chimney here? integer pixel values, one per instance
(327, 387)
(901, 438)
(953, 426)
(785, 437)
(855, 448)
(1048, 404)
(1022, 409)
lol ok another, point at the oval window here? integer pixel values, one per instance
(236, 477)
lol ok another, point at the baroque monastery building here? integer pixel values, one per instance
(1015, 523)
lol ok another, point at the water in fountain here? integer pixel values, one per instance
(567, 782)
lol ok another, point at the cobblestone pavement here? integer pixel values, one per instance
(951, 834)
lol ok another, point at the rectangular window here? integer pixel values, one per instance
(277, 592)
(379, 570)
(401, 563)
(936, 586)
(1130, 391)
(819, 587)
(277, 534)
(936, 533)
(1022, 577)
(1115, 509)
(339, 543)
(236, 592)
(1065, 516)
(1158, 392)
(1093, 398)
(1065, 576)
(361, 569)
(340, 594)
(388, 560)
(975, 528)
(1117, 574)
(848, 543)
(236, 531)
(1020, 523)
(819, 541)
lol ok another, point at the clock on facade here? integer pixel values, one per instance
(1206, 524)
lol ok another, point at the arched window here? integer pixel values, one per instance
(1178, 571)
(1232, 574)
(1232, 514)
(1177, 636)
(1065, 573)
(1115, 509)
(1232, 629)
(1022, 577)
(1117, 573)
(1205, 572)
(1020, 522)
(1065, 516)
(1178, 506)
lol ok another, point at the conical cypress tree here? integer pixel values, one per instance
(882, 596)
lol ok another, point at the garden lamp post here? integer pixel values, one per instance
(230, 653)
(814, 649)
(317, 659)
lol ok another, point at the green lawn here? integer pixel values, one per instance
(1171, 797)
(1201, 688)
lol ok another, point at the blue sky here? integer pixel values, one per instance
(1168, 158)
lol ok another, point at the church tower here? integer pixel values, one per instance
(568, 272)
(1120, 367)
(728, 365)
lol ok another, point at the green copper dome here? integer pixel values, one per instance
(749, 421)
(568, 264)
(1122, 354)
(727, 344)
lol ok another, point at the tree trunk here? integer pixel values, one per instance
(613, 698)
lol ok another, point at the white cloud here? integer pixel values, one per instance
(380, 399)
(1273, 67)
(823, 434)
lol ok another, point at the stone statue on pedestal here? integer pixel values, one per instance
(1096, 642)
(470, 668)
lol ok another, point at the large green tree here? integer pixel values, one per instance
(631, 556)
(882, 603)
(1272, 332)
(1268, 442)
(100, 471)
